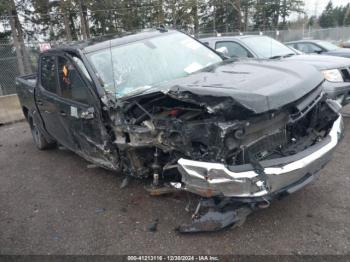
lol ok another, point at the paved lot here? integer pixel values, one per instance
(51, 203)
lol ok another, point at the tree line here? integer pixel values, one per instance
(335, 16)
(81, 19)
(69, 20)
(75, 19)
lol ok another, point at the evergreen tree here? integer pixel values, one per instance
(246, 8)
(327, 18)
(346, 18)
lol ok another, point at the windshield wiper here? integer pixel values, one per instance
(281, 56)
(275, 57)
(289, 55)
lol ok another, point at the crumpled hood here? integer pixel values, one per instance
(259, 86)
(321, 62)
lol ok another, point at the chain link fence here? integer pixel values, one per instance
(336, 35)
(9, 68)
(9, 60)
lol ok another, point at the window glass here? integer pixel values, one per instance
(135, 67)
(72, 86)
(327, 46)
(308, 48)
(266, 47)
(234, 49)
(48, 73)
(82, 67)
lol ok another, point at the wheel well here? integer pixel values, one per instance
(25, 112)
(28, 116)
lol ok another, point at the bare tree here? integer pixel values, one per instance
(23, 61)
(63, 7)
(83, 21)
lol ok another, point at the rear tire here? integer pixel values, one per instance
(39, 139)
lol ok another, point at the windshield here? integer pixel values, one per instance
(266, 47)
(328, 46)
(138, 65)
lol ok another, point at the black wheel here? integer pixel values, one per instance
(39, 139)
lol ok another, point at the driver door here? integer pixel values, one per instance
(81, 112)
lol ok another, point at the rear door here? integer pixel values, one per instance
(47, 97)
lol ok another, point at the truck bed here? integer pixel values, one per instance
(28, 80)
(25, 86)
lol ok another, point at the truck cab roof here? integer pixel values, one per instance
(94, 44)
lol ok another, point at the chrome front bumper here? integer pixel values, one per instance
(215, 179)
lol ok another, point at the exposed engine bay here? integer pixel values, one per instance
(153, 132)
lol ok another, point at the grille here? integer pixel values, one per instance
(306, 104)
(346, 74)
(266, 145)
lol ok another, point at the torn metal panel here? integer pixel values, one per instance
(218, 215)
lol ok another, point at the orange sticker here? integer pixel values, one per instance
(65, 71)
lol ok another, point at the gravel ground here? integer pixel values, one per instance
(52, 203)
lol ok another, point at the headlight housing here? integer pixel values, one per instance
(333, 75)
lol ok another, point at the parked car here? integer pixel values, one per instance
(161, 105)
(345, 44)
(336, 70)
(319, 47)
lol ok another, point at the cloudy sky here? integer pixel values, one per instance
(319, 5)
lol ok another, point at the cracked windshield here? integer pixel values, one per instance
(137, 66)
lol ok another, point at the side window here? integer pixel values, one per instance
(72, 86)
(234, 49)
(48, 76)
(82, 67)
(308, 48)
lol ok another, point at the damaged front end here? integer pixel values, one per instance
(236, 159)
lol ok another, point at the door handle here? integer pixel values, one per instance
(62, 113)
(39, 102)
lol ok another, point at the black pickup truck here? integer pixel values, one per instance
(161, 105)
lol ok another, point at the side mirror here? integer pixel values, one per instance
(222, 50)
(88, 114)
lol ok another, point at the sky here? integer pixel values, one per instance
(319, 5)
